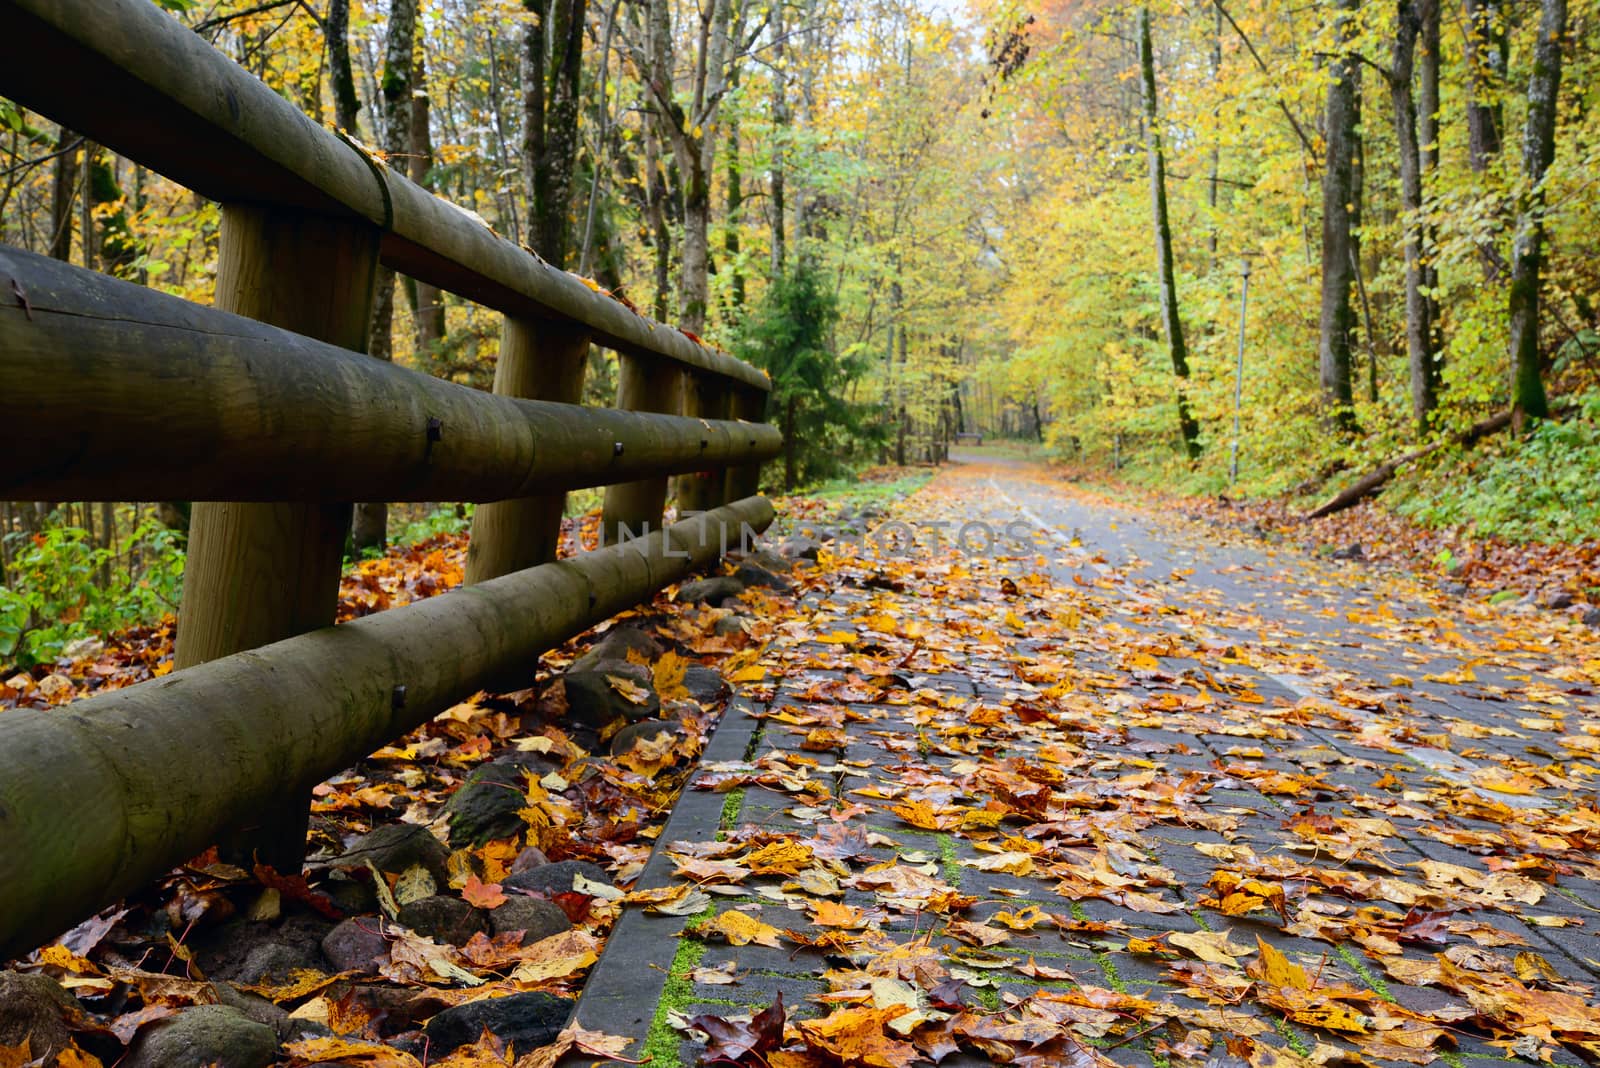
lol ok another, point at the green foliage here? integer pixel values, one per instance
(444, 520)
(1541, 487)
(54, 598)
(790, 335)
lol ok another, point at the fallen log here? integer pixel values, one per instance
(119, 392)
(1374, 480)
(105, 794)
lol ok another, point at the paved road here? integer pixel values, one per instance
(1106, 776)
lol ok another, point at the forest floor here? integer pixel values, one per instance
(1087, 782)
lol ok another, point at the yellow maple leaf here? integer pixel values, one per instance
(741, 930)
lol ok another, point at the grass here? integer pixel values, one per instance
(858, 491)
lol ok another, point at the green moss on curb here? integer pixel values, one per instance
(1368, 976)
(662, 1040)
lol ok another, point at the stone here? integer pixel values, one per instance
(524, 1022)
(1353, 551)
(753, 575)
(257, 1008)
(729, 625)
(1592, 617)
(202, 1037)
(712, 591)
(536, 918)
(395, 847)
(772, 561)
(275, 962)
(1454, 589)
(553, 879)
(486, 806)
(593, 700)
(616, 644)
(442, 918)
(356, 945)
(530, 857)
(1558, 600)
(800, 547)
(704, 684)
(33, 1007)
(634, 733)
(352, 896)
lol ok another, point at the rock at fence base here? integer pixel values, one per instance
(1592, 617)
(356, 945)
(617, 643)
(729, 625)
(257, 1008)
(774, 562)
(1558, 600)
(712, 591)
(754, 575)
(350, 895)
(32, 1007)
(634, 733)
(531, 857)
(704, 683)
(523, 1022)
(275, 962)
(536, 918)
(486, 806)
(800, 547)
(1353, 551)
(594, 699)
(553, 879)
(202, 1037)
(442, 918)
(394, 848)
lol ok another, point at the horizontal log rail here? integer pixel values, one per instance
(273, 421)
(100, 797)
(145, 86)
(135, 395)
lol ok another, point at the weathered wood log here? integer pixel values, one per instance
(259, 572)
(1374, 480)
(135, 395)
(635, 507)
(100, 797)
(743, 480)
(704, 398)
(148, 88)
(539, 363)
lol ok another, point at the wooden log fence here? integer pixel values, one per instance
(265, 412)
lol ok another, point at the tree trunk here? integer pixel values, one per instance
(63, 191)
(1488, 51)
(1527, 251)
(1171, 321)
(346, 105)
(735, 195)
(428, 300)
(370, 528)
(550, 105)
(1419, 331)
(1339, 201)
(780, 128)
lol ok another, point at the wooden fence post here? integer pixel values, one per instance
(705, 397)
(538, 361)
(749, 405)
(258, 573)
(635, 508)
